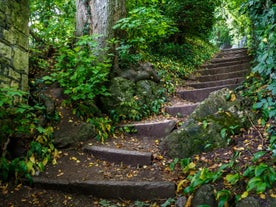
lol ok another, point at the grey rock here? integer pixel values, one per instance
(193, 137)
(204, 196)
(181, 201)
(248, 202)
(131, 98)
(68, 134)
(272, 202)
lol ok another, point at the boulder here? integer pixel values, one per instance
(67, 134)
(248, 202)
(204, 196)
(129, 98)
(202, 131)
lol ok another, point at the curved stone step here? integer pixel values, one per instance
(130, 190)
(222, 76)
(129, 157)
(183, 110)
(153, 129)
(198, 95)
(207, 84)
(225, 69)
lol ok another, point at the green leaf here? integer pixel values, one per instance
(258, 155)
(232, 178)
(260, 169)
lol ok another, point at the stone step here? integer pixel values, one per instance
(229, 59)
(129, 157)
(153, 129)
(198, 95)
(224, 69)
(216, 83)
(181, 110)
(233, 51)
(224, 64)
(222, 76)
(129, 190)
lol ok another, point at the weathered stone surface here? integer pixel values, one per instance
(70, 133)
(181, 201)
(193, 137)
(112, 189)
(272, 202)
(14, 31)
(129, 98)
(198, 95)
(204, 196)
(154, 129)
(180, 110)
(248, 202)
(217, 83)
(129, 157)
(223, 76)
(231, 68)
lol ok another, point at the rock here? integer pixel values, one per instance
(144, 71)
(248, 202)
(130, 99)
(70, 133)
(194, 137)
(204, 196)
(272, 202)
(181, 201)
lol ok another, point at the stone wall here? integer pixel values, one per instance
(14, 59)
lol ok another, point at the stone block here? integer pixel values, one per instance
(5, 51)
(21, 60)
(10, 36)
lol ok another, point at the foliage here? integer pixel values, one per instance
(20, 120)
(104, 128)
(81, 73)
(191, 17)
(143, 26)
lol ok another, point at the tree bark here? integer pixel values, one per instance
(98, 17)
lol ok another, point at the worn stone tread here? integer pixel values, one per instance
(215, 83)
(229, 59)
(224, 64)
(129, 157)
(181, 110)
(222, 76)
(153, 129)
(198, 95)
(225, 69)
(130, 190)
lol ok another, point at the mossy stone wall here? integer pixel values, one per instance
(14, 31)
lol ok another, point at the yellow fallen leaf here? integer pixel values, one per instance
(60, 174)
(233, 97)
(189, 201)
(32, 158)
(238, 148)
(262, 196)
(272, 194)
(180, 185)
(245, 194)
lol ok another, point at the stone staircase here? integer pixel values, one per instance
(138, 153)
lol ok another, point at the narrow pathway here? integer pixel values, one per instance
(132, 167)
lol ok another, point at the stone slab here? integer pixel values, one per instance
(183, 110)
(222, 76)
(153, 129)
(229, 59)
(225, 69)
(129, 190)
(129, 157)
(216, 83)
(198, 95)
(223, 64)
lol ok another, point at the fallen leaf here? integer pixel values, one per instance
(262, 196)
(245, 194)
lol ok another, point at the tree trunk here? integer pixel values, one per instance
(98, 17)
